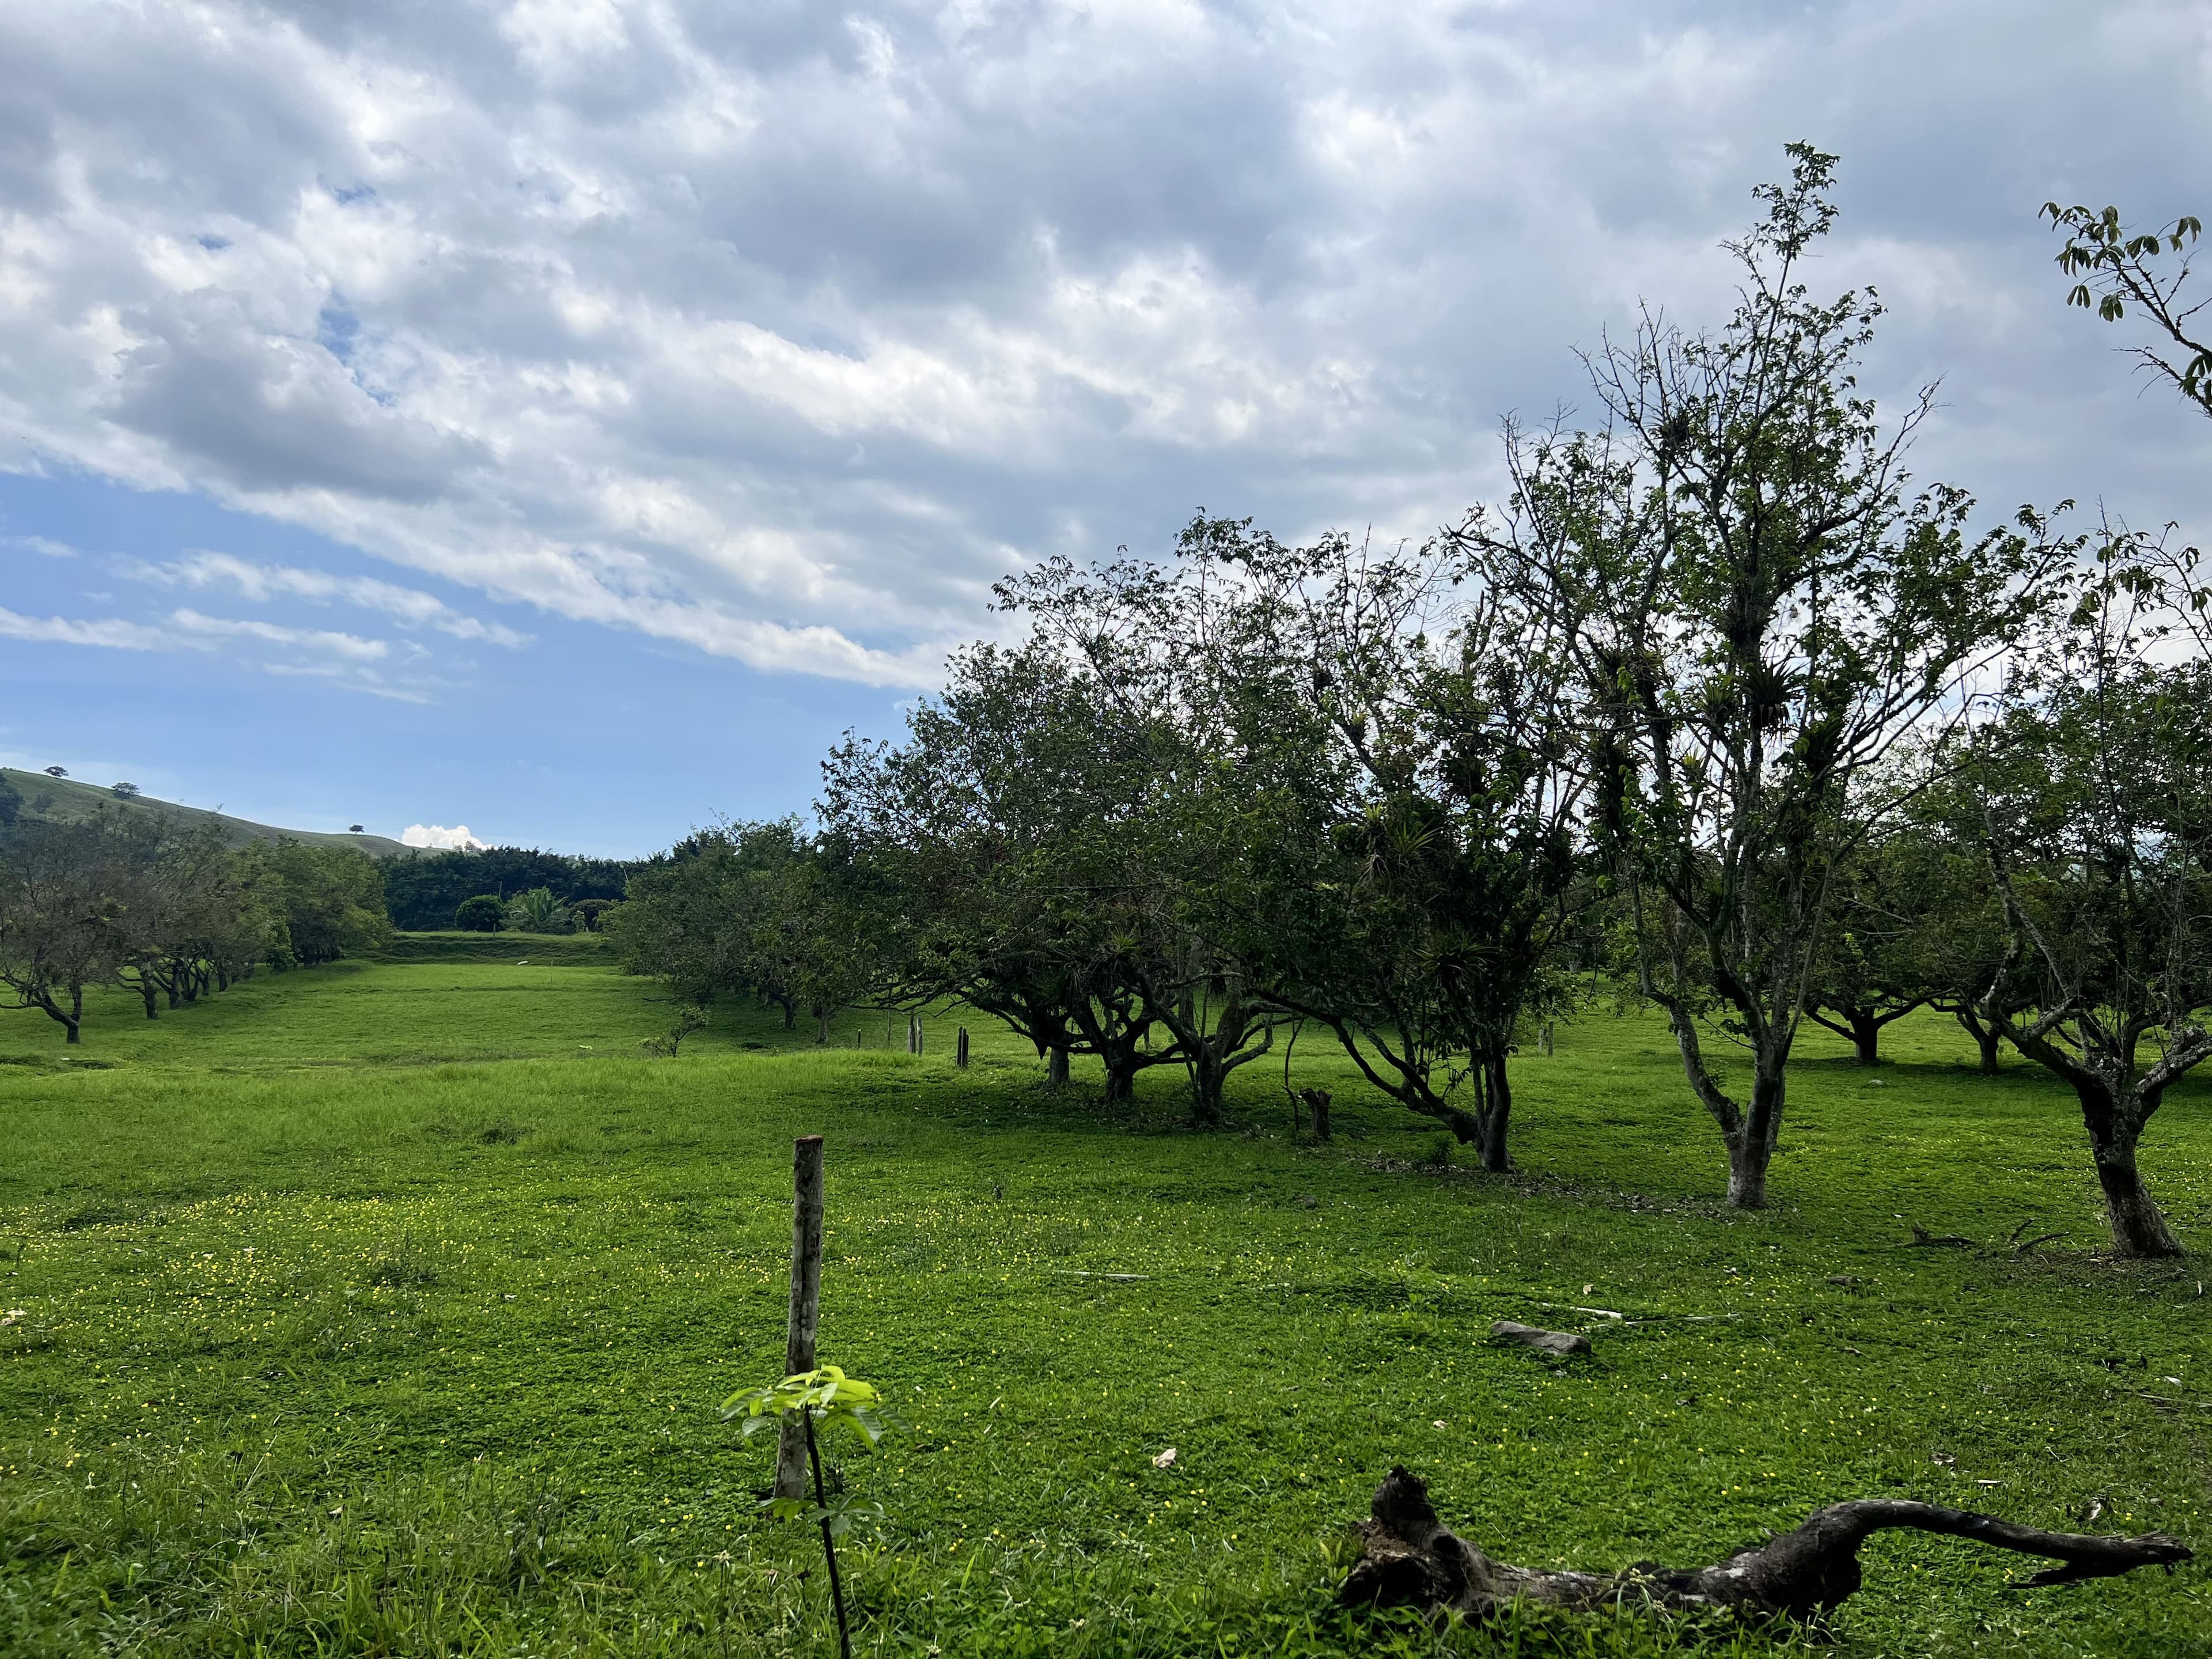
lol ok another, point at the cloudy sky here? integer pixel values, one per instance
(564, 417)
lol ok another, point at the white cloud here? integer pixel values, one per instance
(437, 836)
(44, 547)
(111, 632)
(263, 582)
(350, 647)
(779, 330)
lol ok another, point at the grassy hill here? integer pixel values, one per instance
(67, 799)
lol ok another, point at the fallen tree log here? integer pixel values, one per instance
(1408, 1557)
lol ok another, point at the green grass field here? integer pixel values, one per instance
(385, 1309)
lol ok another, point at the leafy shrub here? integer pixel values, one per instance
(587, 912)
(484, 913)
(537, 911)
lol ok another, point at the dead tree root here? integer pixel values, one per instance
(1408, 1557)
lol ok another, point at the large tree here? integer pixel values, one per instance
(1016, 831)
(1411, 799)
(699, 915)
(58, 918)
(2096, 798)
(326, 903)
(1760, 608)
(1889, 948)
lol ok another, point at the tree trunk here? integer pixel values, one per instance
(1866, 1040)
(146, 994)
(73, 1021)
(1207, 1077)
(1056, 1067)
(1121, 1079)
(1751, 1145)
(1494, 1116)
(2139, 1227)
(1748, 1157)
(791, 1017)
(821, 1028)
(1985, 1039)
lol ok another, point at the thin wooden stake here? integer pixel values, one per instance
(805, 1304)
(960, 1050)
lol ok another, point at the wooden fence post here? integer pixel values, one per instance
(805, 1304)
(960, 1049)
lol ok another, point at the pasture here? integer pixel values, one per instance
(386, 1308)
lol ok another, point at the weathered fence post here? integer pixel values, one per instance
(914, 1034)
(1547, 1036)
(805, 1304)
(960, 1049)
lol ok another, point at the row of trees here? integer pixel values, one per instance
(1718, 706)
(169, 911)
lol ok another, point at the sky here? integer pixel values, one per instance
(564, 418)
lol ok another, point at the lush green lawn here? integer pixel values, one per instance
(386, 1308)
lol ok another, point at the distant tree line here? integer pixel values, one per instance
(131, 897)
(425, 892)
(1717, 711)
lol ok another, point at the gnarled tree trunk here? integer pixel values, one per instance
(2138, 1225)
(1408, 1557)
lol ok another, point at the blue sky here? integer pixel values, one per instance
(563, 417)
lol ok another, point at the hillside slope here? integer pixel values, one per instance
(67, 799)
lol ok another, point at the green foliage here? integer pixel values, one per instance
(828, 1397)
(2121, 266)
(328, 901)
(537, 911)
(423, 890)
(688, 1020)
(824, 1393)
(486, 912)
(757, 909)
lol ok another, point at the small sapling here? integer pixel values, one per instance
(824, 1395)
